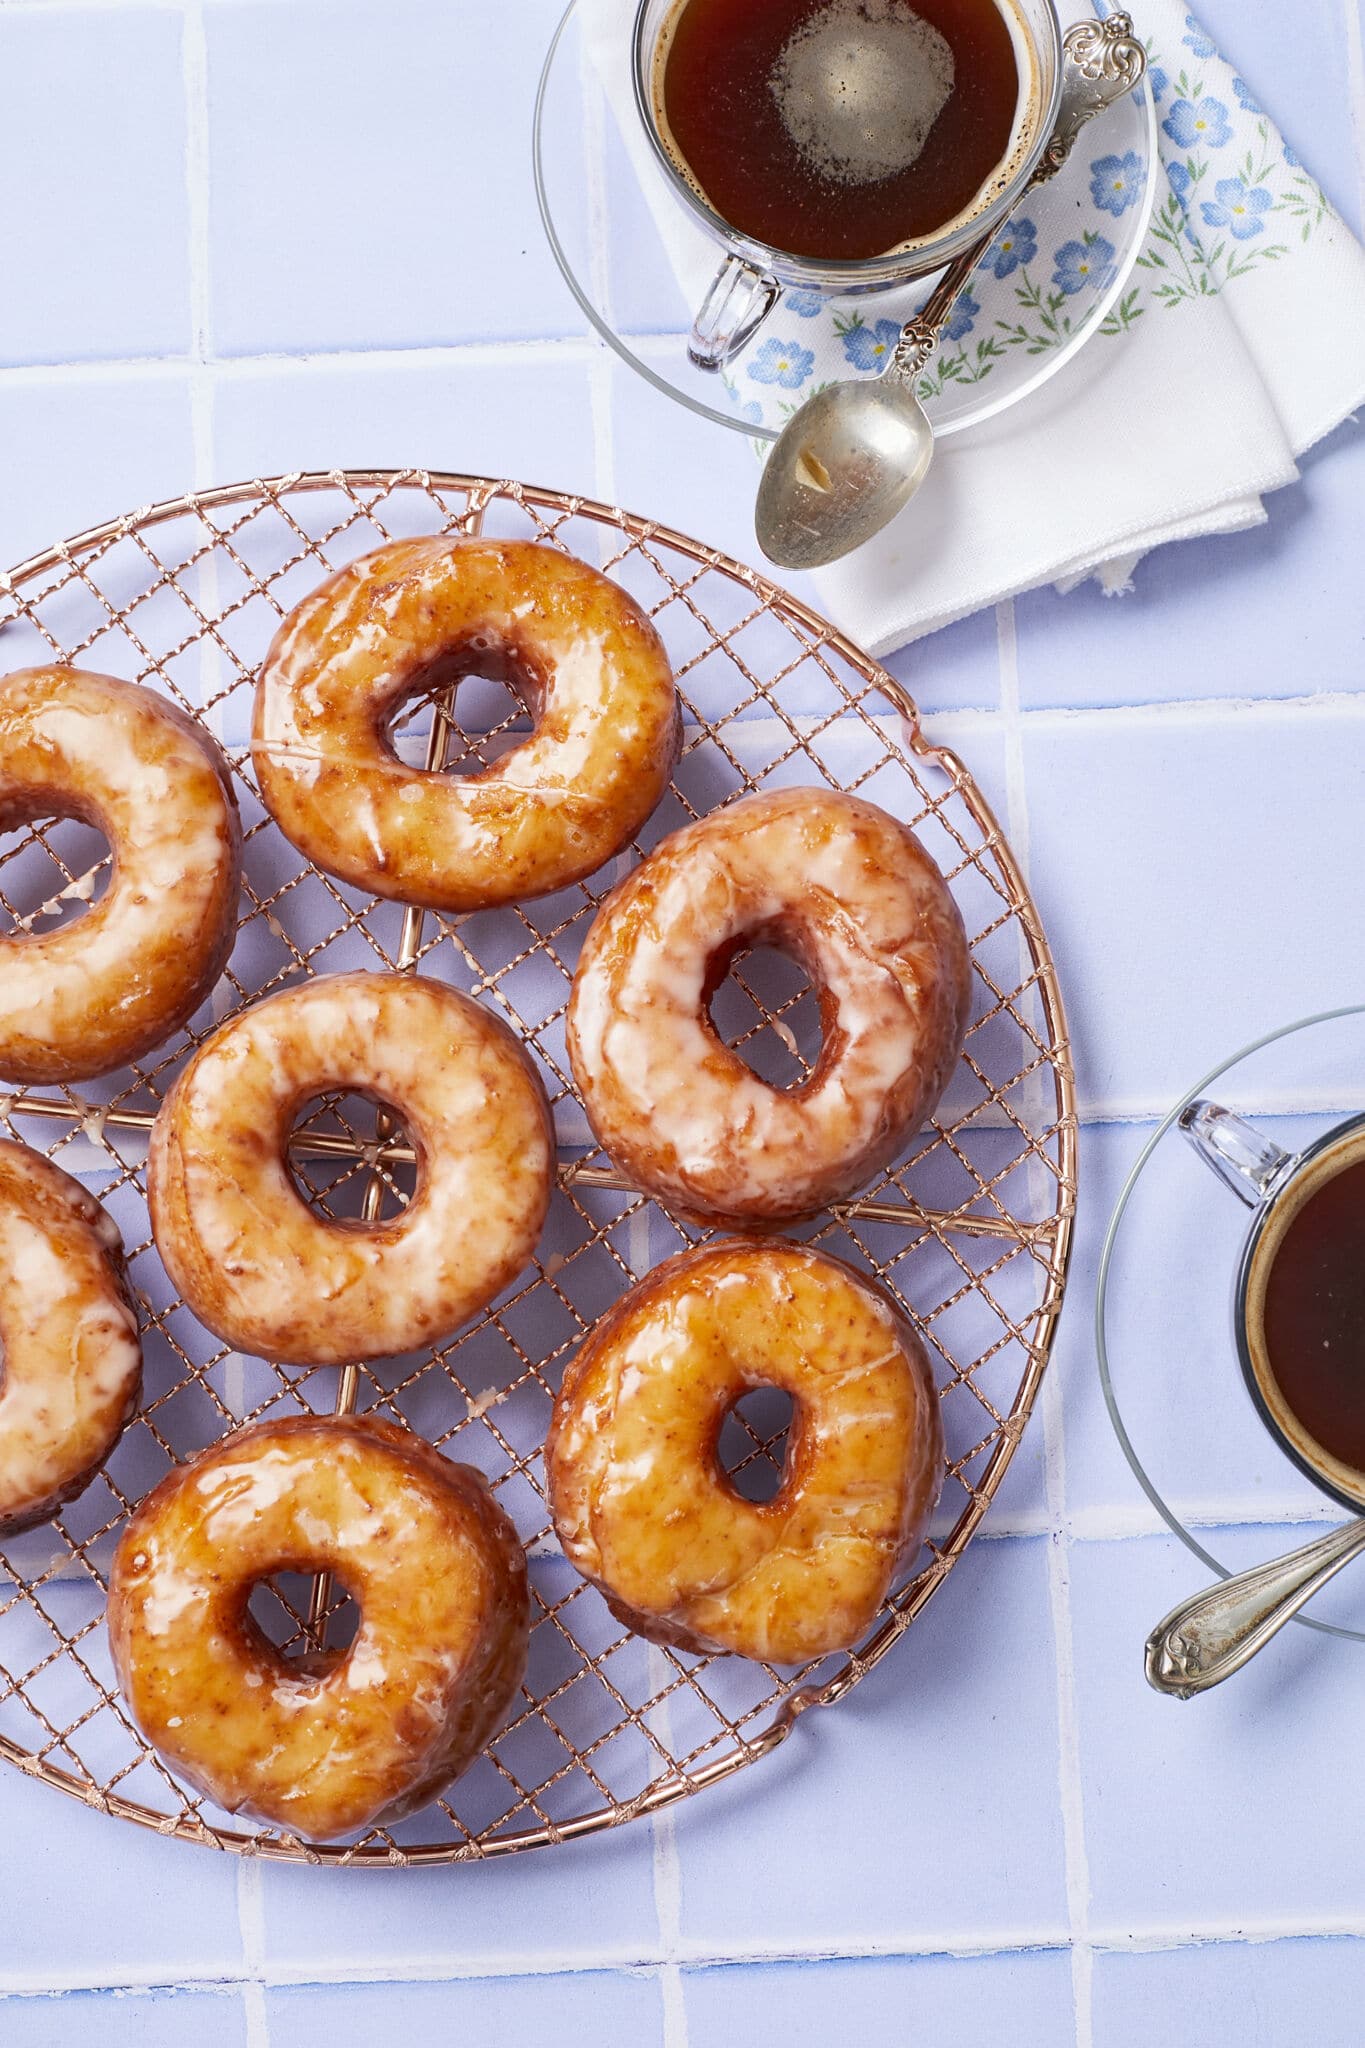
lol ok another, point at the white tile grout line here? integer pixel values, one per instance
(598, 358)
(251, 1921)
(667, 1868)
(1075, 1863)
(195, 64)
(1126, 1940)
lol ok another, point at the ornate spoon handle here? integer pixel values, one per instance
(1101, 61)
(1207, 1638)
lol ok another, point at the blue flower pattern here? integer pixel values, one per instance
(1195, 124)
(1116, 182)
(867, 348)
(964, 318)
(1083, 265)
(1198, 39)
(1014, 246)
(782, 362)
(1239, 210)
(1234, 196)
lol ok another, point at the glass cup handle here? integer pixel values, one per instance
(739, 300)
(1243, 1159)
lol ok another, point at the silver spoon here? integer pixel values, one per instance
(1209, 1637)
(855, 453)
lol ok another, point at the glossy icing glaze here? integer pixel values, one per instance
(72, 1359)
(431, 1561)
(579, 652)
(642, 1505)
(268, 1274)
(852, 894)
(113, 985)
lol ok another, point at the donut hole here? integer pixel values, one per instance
(496, 703)
(53, 869)
(766, 1010)
(753, 1444)
(336, 1141)
(279, 1608)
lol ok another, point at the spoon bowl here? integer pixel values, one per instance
(861, 454)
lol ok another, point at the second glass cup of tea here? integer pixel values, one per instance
(753, 274)
(1298, 1308)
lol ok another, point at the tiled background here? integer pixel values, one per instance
(243, 236)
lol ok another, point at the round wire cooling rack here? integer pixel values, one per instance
(971, 1227)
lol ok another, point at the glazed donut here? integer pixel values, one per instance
(580, 654)
(849, 893)
(350, 1739)
(269, 1275)
(114, 985)
(72, 1359)
(642, 1506)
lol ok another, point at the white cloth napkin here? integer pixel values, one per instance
(1243, 343)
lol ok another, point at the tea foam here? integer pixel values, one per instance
(859, 86)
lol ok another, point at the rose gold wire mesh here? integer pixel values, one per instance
(971, 1228)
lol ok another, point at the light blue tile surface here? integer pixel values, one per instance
(126, 2020)
(1238, 1994)
(957, 669)
(470, 416)
(586, 2010)
(1251, 1782)
(1188, 910)
(94, 237)
(956, 2002)
(706, 467)
(592, 1899)
(371, 176)
(74, 452)
(77, 1908)
(925, 1805)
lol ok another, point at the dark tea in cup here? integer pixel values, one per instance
(841, 130)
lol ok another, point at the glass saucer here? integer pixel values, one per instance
(596, 201)
(1163, 1311)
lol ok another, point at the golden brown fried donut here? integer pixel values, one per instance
(72, 1358)
(268, 1274)
(431, 1561)
(853, 896)
(114, 985)
(580, 654)
(639, 1498)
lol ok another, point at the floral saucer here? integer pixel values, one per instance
(1058, 273)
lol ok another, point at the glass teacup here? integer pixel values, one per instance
(1277, 1186)
(752, 276)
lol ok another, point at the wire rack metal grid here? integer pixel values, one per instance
(971, 1228)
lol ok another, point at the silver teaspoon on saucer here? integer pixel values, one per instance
(855, 453)
(1209, 1637)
